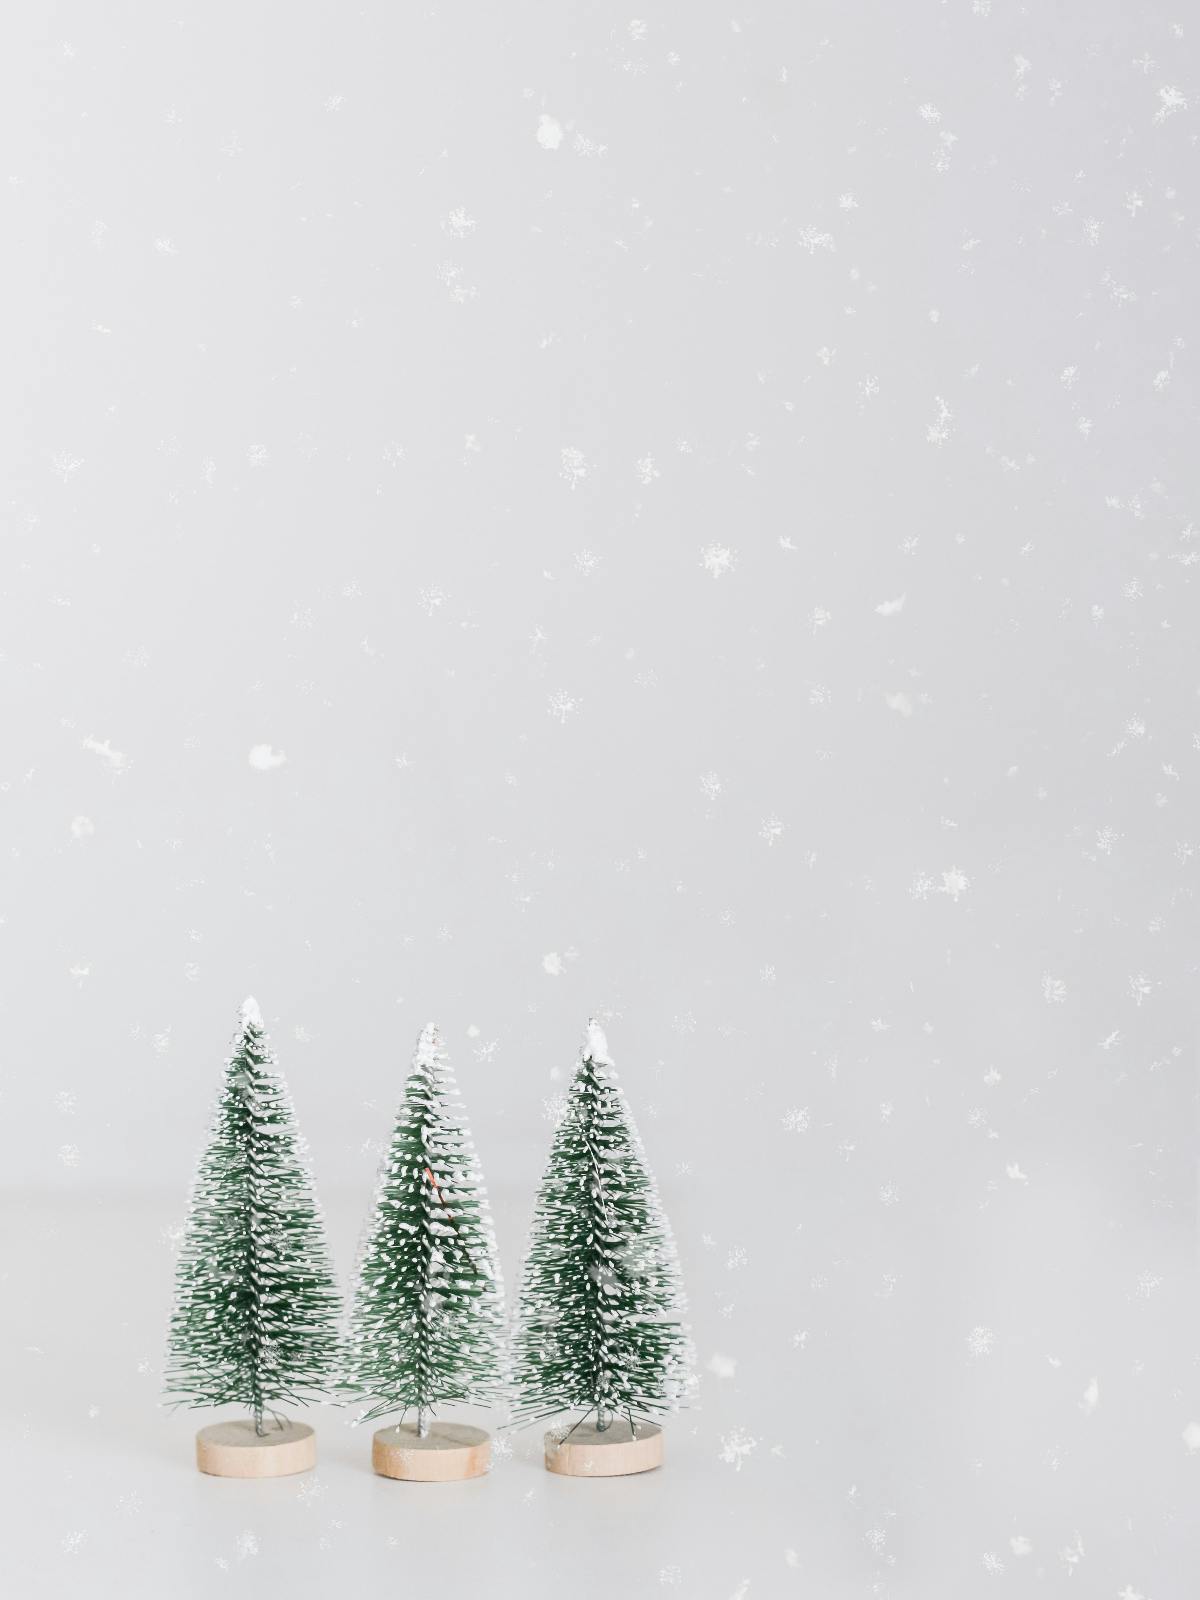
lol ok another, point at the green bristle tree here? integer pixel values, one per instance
(427, 1318)
(256, 1313)
(600, 1322)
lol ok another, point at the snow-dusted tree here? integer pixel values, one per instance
(256, 1307)
(601, 1315)
(427, 1320)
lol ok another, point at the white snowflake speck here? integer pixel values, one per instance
(718, 559)
(549, 132)
(560, 705)
(265, 758)
(573, 466)
(981, 1341)
(770, 829)
(736, 1447)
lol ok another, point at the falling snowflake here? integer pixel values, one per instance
(117, 760)
(561, 704)
(459, 223)
(432, 599)
(1054, 990)
(736, 1446)
(1140, 986)
(1171, 100)
(796, 1119)
(646, 470)
(992, 1563)
(450, 275)
(814, 239)
(1071, 1555)
(549, 132)
(554, 1109)
(939, 430)
(573, 467)
(770, 829)
(980, 1341)
(718, 559)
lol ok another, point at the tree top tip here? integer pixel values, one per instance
(596, 1048)
(250, 1014)
(429, 1045)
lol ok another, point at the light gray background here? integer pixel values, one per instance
(700, 501)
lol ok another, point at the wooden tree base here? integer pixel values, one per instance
(448, 1452)
(588, 1453)
(234, 1450)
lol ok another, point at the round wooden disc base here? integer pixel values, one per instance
(588, 1453)
(449, 1452)
(234, 1450)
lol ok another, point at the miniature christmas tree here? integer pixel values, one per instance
(600, 1319)
(426, 1326)
(256, 1309)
